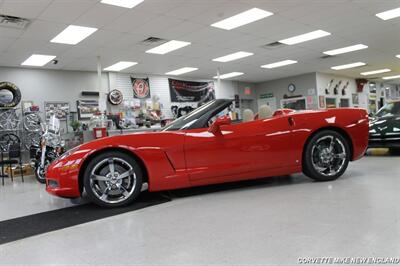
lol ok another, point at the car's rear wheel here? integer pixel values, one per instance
(113, 179)
(326, 156)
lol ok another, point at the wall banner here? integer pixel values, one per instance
(191, 91)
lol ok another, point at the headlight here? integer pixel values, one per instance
(68, 153)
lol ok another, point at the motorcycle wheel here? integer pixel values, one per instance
(40, 172)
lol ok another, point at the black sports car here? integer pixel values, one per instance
(384, 127)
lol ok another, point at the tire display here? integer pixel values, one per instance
(9, 120)
(8, 139)
(16, 95)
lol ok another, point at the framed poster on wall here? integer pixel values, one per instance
(298, 103)
(330, 102)
(87, 108)
(60, 109)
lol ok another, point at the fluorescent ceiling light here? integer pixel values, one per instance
(73, 34)
(241, 19)
(231, 57)
(305, 37)
(392, 77)
(393, 13)
(122, 3)
(229, 75)
(280, 64)
(168, 47)
(346, 49)
(379, 71)
(38, 60)
(120, 66)
(181, 71)
(398, 56)
(357, 64)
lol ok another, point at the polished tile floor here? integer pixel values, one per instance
(271, 224)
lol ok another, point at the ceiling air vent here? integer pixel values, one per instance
(13, 22)
(152, 40)
(272, 45)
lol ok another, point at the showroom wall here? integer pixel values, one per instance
(324, 79)
(40, 86)
(276, 89)
(159, 86)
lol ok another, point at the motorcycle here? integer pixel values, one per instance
(50, 148)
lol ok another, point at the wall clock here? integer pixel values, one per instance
(291, 88)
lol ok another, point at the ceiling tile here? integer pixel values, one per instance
(67, 11)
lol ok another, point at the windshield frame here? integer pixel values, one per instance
(199, 117)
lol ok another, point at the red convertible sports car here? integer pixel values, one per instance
(205, 147)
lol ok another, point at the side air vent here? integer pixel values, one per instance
(13, 22)
(152, 41)
(273, 45)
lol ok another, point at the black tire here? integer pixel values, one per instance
(310, 166)
(121, 162)
(15, 92)
(40, 175)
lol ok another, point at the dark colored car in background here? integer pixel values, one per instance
(384, 127)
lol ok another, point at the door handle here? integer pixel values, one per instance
(291, 121)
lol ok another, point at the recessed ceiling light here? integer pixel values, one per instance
(379, 71)
(122, 3)
(73, 34)
(231, 57)
(357, 64)
(393, 13)
(398, 56)
(120, 66)
(38, 60)
(181, 71)
(280, 64)
(229, 75)
(392, 77)
(305, 37)
(241, 19)
(168, 47)
(346, 49)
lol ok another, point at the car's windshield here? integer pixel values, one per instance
(188, 119)
(389, 110)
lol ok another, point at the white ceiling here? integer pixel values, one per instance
(121, 30)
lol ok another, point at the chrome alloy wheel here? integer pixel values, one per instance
(113, 180)
(328, 155)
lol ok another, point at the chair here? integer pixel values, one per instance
(14, 157)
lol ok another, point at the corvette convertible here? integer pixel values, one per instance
(206, 147)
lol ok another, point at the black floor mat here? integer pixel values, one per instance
(19, 228)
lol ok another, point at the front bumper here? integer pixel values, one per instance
(62, 180)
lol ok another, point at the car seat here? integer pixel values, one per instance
(248, 115)
(264, 112)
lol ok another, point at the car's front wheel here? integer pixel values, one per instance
(113, 179)
(326, 156)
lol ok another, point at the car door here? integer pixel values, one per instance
(242, 149)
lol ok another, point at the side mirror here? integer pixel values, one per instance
(215, 128)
